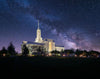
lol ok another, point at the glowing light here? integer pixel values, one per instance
(64, 55)
(50, 46)
(33, 55)
(59, 55)
(83, 56)
(50, 54)
(75, 55)
(47, 55)
(4, 54)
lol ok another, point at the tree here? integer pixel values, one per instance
(3, 52)
(25, 50)
(43, 51)
(39, 49)
(11, 49)
(78, 52)
(55, 52)
(85, 52)
(93, 53)
(62, 52)
(69, 51)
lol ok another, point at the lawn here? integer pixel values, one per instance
(50, 66)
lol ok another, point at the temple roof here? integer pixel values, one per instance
(59, 46)
(29, 42)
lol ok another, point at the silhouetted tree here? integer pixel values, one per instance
(3, 51)
(69, 52)
(55, 52)
(62, 52)
(85, 52)
(11, 49)
(25, 50)
(78, 52)
(43, 51)
(39, 49)
(93, 53)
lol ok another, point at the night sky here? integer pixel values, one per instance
(72, 23)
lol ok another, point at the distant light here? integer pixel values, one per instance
(4, 54)
(47, 55)
(64, 55)
(33, 55)
(75, 55)
(59, 55)
(50, 54)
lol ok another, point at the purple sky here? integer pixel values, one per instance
(72, 23)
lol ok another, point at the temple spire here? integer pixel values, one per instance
(38, 24)
(38, 35)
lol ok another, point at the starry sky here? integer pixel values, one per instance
(72, 23)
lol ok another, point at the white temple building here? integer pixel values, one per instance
(47, 44)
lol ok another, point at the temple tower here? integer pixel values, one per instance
(38, 35)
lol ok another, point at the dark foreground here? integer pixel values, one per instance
(49, 67)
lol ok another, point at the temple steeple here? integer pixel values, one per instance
(38, 24)
(38, 35)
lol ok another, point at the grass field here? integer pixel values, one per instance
(50, 66)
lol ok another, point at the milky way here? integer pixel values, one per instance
(72, 23)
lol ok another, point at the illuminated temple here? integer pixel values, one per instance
(47, 44)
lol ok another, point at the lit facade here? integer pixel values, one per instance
(47, 45)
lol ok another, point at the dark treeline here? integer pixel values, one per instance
(76, 53)
(10, 51)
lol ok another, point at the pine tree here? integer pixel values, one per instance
(3, 51)
(11, 49)
(25, 50)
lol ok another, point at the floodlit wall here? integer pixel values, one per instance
(59, 48)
